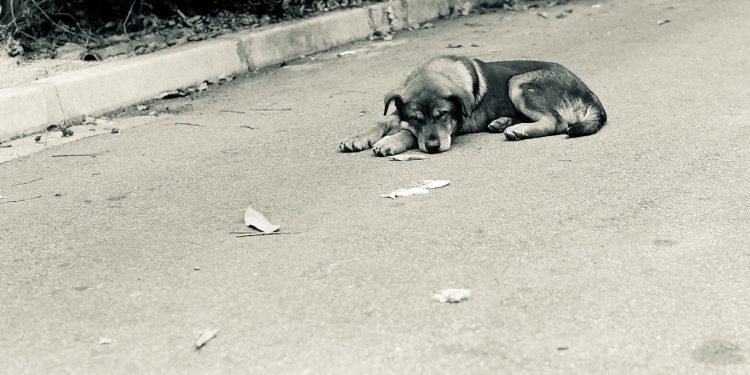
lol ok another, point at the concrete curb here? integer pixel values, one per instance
(30, 108)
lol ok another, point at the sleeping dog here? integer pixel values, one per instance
(453, 95)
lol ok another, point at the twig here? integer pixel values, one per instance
(188, 124)
(247, 127)
(28, 182)
(21, 200)
(345, 92)
(260, 234)
(73, 155)
(65, 29)
(125, 23)
(183, 16)
(269, 109)
(229, 110)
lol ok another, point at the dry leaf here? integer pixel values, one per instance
(346, 53)
(434, 184)
(205, 336)
(104, 341)
(258, 221)
(406, 192)
(142, 107)
(661, 22)
(422, 188)
(403, 157)
(451, 295)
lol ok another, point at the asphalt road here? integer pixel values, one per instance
(619, 253)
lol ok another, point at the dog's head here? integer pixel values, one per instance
(437, 98)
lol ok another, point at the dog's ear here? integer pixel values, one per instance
(463, 105)
(396, 97)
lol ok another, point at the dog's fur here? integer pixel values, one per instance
(452, 95)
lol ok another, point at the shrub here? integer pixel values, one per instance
(41, 24)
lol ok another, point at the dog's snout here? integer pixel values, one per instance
(432, 145)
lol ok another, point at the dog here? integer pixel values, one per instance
(453, 95)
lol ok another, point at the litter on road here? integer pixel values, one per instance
(205, 336)
(75, 155)
(403, 157)
(451, 295)
(21, 200)
(28, 182)
(256, 220)
(422, 188)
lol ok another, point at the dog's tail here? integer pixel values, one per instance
(592, 121)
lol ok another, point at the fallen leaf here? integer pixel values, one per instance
(662, 22)
(70, 51)
(205, 336)
(346, 53)
(170, 94)
(451, 295)
(454, 45)
(406, 192)
(105, 341)
(434, 184)
(142, 107)
(427, 25)
(258, 221)
(422, 188)
(403, 157)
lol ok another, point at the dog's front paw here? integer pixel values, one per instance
(388, 146)
(499, 125)
(355, 143)
(515, 133)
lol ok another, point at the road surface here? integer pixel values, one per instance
(619, 253)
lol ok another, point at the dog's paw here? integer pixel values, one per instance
(388, 146)
(499, 125)
(355, 144)
(515, 133)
